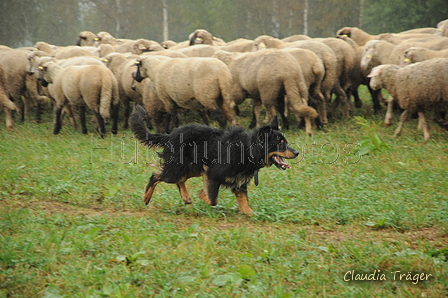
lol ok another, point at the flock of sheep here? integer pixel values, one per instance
(297, 74)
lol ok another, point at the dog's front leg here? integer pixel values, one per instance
(241, 197)
(203, 194)
(184, 193)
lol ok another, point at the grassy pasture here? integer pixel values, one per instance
(72, 222)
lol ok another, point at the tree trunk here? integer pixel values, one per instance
(305, 18)
(165, 20)
(361, 13)
(275, 20)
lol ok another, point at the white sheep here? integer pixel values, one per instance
(192, 83)
(91, 85)
(419, 54)
(417, 87)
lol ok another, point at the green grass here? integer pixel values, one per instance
(72, 221)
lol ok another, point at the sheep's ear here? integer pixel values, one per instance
(375, 71)
(43, 68)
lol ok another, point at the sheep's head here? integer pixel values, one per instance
(201, 36)
(87, 38)
(442, 28)
(138, 74)
(346, 31)
(41, 75)
(375, 77)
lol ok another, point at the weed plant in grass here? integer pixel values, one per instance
(73, 224)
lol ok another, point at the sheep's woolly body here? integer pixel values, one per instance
(201, 50)
(91, 85)
(191, 83)
(15, 81)
(417, 87)
(313, 71)
(266, 75)
(419, 54)
(123, 68)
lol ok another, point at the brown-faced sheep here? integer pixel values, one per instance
(192, 83)
(123, 69)
(419, 54)
(358, 35)
(87, 38)
(266, 77)
(201, 36)
(91, 85)
(417, 87)
(269, 42)
(166, 44)
(15, 81)
(139, 46)
(107, 38)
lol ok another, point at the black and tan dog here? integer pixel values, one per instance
(229, 157)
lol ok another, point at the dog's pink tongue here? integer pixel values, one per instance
(283, 163)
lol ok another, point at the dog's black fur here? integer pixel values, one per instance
(229, 157)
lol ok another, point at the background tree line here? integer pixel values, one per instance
(24, 22)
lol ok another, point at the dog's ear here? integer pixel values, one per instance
(274, 123)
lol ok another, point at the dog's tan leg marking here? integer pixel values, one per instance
(184, 193)
(203, 194)
(243, 203)
(148, 194)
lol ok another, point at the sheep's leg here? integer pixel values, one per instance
(257, 112)
(389, 111)
(281, 110)
(241, 197)
(403, 118)
(38, 112)
(321, 106)
(9, 121)
(57, 119)
(127, 112)
(184, 193)
(220, 117)
(424, 125)
(114, 115)
(82, 116)
(101, 125)
(204, 116)
(376, 99)
(230, 110)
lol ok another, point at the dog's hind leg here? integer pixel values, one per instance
(241, 197)
(153, 181)
(184, 193)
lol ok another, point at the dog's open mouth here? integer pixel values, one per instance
(280, 162)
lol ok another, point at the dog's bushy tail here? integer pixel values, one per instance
(138, 127)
